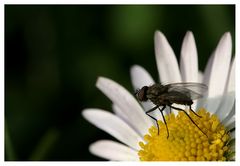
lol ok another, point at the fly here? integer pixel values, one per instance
(166, 95)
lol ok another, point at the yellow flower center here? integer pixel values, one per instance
(186, 142)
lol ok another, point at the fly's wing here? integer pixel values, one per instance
(191, 89)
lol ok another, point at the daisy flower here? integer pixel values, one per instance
(137, 133)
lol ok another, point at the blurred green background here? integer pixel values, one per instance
(54, 54)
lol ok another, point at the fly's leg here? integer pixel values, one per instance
(179, 109)
(151, 110)
(161, 110)
(194, 112)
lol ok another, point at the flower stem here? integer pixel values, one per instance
(9, 149)
(44, 145)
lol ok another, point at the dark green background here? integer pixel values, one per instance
(54, 54)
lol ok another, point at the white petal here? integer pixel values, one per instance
(127, 103)
(113, 151)
(231, 125)
(113, 125)
(166, 61)
(230, 120)
(217, 72)
(189, 59)
(230, 117)
(200, 76)
(208, 69)
(233, 135)
(147, 105)
(205, 79)
(229, 95)
(140, 77)
(121, 114)
(200, 102)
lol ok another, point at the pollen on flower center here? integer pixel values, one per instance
(186, 142)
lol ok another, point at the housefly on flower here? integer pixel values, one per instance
(166, 95)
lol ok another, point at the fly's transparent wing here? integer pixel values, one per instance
(191, 89)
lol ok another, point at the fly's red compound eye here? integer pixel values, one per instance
(141, 94)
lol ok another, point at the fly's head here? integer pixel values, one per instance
(142, 94)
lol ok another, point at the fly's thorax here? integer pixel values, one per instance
(155, 94)
(158, 100)
(157, 89)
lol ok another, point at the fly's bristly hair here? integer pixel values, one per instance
(136, 91)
